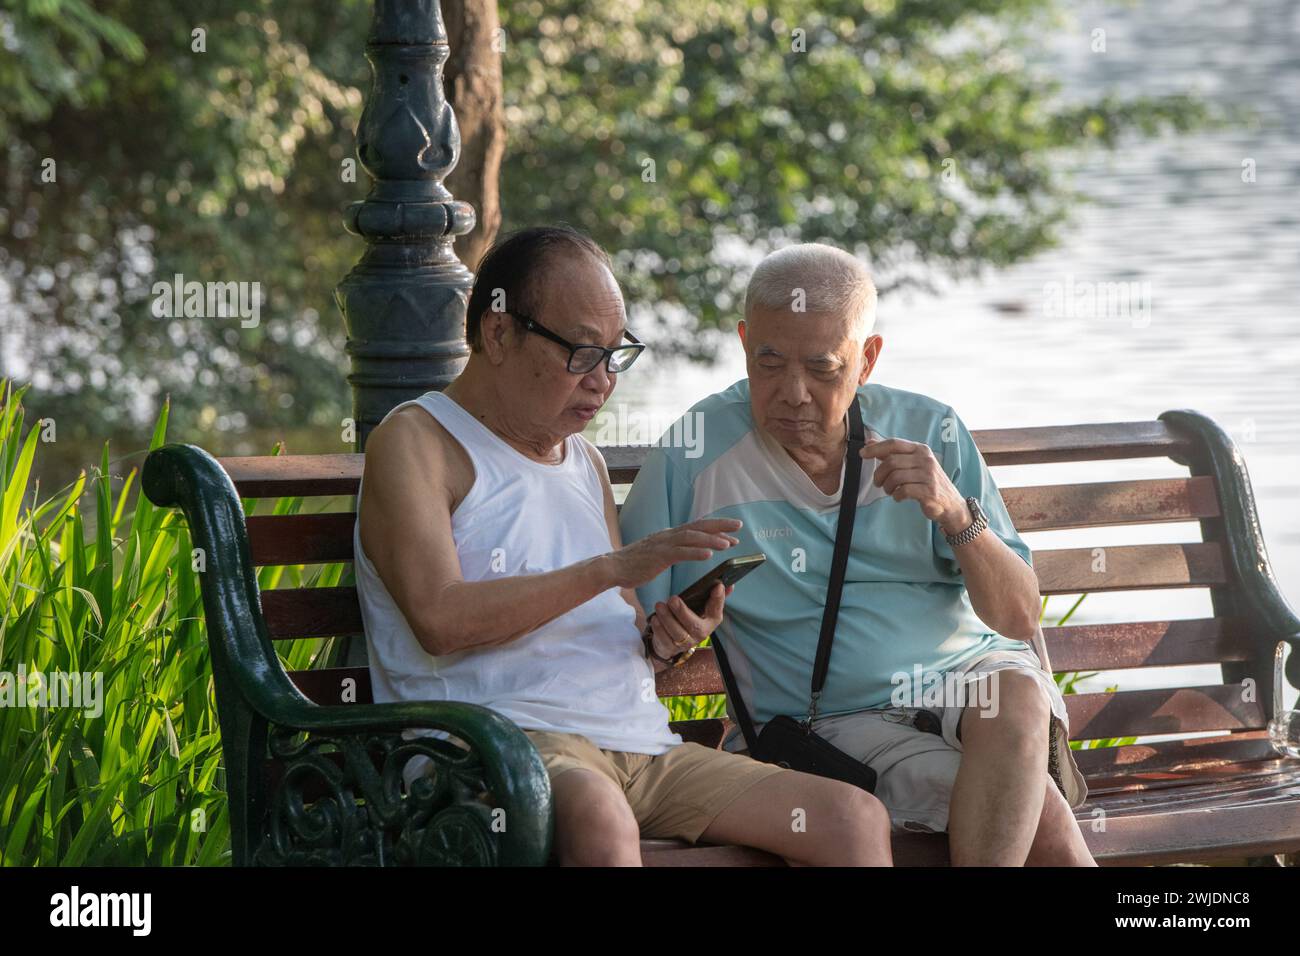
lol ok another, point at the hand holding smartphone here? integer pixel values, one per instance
(696, 598)
(728, 572)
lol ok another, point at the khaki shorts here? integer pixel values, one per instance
(916, 769)
(676, 794)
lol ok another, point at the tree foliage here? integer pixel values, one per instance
(686, 136)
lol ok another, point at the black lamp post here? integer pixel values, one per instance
(404, 302)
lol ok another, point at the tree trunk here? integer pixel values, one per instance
(473, 83)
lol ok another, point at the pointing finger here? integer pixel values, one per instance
(886, 446)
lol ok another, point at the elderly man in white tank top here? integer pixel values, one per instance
(490, 570)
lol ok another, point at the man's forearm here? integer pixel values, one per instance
(467, 614)
(1003, 589)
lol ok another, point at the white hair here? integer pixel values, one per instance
(814, 277)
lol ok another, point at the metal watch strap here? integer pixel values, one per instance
(973, 531)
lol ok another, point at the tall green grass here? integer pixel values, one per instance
(96, 580)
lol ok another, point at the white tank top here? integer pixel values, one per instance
(583, 672)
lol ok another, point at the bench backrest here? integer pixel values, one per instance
(1226, 559)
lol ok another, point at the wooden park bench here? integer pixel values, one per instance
(313, 768)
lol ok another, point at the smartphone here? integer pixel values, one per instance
(728, 572)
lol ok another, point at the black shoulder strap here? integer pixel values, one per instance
(737, 703)
(839, 563)
(843, 539)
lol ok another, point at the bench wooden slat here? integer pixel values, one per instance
(1169, 762)
(301, 539)
(325, 686)
(1130, 567)
(1135, 713)
(698, 676)
(1088, 647)
(623, 461)
(312, 612)
(1159, 834)
(318, 538)
(293, 613)
(1174, 710)
(1208, 788)
(1179, 710)
(1073, 648)
(1103, 503)
(271, 476)
(1089, 442)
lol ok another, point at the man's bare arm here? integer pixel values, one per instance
(406, 532)
(1003, 589)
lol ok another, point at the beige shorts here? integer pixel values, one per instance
(676, 794)
(916, 769)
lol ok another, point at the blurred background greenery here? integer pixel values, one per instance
(804, 119)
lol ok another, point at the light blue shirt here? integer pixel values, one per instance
(904, 603)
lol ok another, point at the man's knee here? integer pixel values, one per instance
(594, 825)
(856, 825)
(1019, 715)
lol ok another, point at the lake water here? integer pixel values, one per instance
(1215, 322)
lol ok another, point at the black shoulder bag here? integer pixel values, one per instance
(784, 740)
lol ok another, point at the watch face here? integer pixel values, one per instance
(976, 511)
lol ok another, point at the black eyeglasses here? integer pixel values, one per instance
(583, 358)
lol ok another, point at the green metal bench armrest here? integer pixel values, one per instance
(187, 477)
(509, 766)
(1260, 598)
(255, 698)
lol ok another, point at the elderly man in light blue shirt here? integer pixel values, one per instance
(932, 681)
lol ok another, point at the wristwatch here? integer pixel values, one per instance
(976, 527)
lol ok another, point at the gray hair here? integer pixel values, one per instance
(814, 277)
